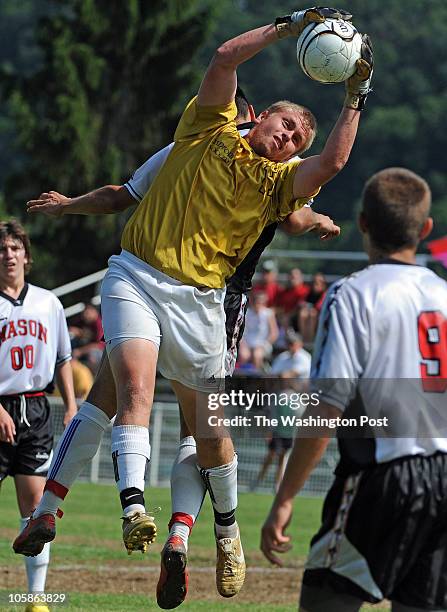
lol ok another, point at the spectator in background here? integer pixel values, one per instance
(87, 337)
(317, 291)
(295, 362)
(268, 284)
(306, 320)
(261, 331)
(82, 380)
(295, 294)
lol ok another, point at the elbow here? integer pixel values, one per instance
(119, 199)
(337, 165)
(333, 164)
(224, 55)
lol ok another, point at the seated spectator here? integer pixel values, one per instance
(260, 332)
(295, 362)
(268, 284)
(87, 337)
(295, 293)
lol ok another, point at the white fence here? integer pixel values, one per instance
(277, 254)
(164, 433)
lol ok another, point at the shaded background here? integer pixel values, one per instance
(90, 88)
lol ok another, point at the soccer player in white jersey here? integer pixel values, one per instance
(381, 351)
(34, 342)
(183, 241)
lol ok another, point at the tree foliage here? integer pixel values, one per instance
(110, 79)
(106, 94)
(403, 122)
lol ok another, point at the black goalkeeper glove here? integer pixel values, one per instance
(294, 24)
(358, 85)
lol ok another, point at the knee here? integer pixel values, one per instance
(209, 445)
(214, 452)
(135, 390)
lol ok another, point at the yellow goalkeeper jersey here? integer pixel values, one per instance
(210, 200)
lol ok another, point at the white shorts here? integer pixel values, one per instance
(187, 324)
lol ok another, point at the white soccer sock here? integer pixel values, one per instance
(223, 531)
(222, 486)
(77, 446)
(36, 567)
(187, 489)
(131, 451)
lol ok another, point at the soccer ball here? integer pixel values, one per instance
(328, 51)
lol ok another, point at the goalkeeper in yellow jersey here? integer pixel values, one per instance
(162, 298)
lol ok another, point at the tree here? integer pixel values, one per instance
(403, 124)
(112, 81)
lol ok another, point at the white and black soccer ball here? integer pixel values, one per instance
(327, 52)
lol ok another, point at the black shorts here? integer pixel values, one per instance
(33, 448)
(384, 534)
(235, 308)
(279, 445)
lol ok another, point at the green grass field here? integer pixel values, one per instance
(88, 561)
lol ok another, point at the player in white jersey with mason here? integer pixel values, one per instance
(34, 342)
(381, 352)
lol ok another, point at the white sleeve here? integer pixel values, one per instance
(341, 347)
(140, 181)
(63, 337)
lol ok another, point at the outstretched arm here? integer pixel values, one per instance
(220, 80)
(219, 84)
(319, 169)
(105, 200)
(109, 199)
(307, 220)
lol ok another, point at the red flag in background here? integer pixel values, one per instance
(438, 249)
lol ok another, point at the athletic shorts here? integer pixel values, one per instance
(279, 445)
(235, 309)
(384, 534)
(186, 324)
(32, 450)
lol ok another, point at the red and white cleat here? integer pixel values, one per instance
(36, 533)
(172, 585)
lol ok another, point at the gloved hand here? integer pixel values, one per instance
(358, 85)
(294, 24)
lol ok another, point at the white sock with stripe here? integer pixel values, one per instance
(77, 446)
(187, 490)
